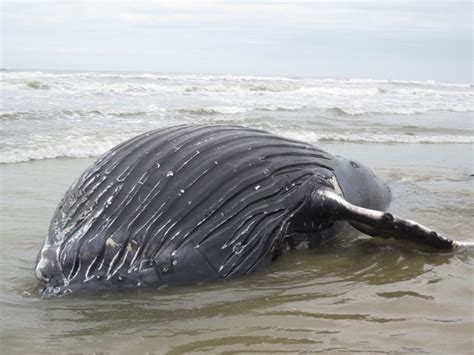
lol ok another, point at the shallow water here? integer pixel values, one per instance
(356, 294)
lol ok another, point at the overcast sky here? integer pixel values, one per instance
(414, 40)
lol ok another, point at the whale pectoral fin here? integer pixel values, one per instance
(381, 224)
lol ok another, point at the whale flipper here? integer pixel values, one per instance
(381, 224)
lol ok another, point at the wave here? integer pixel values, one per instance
(81, 114)
(153, 76)
(347, 111)
(36, 84)
(32, 75)
(431, 83)
(215, 110)
(108, 113)
(270, 88)
(154, 111)
(5, 115)
(352, 96)
(92, 146)
(86, 75)
(377, 138)
(76, 148)
(337, 111)
(50, 115)
(235, 99)
(255, 89)
(281, 108)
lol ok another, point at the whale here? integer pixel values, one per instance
(198, 203)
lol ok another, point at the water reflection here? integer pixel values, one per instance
(306, 301)
(330, 276)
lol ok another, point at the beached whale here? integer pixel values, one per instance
(197, 203)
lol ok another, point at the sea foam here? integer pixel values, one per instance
(93, 147)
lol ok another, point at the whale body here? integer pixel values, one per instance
(196, 203)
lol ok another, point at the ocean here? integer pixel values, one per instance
(357, 294)
(52, 115)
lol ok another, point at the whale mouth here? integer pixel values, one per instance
(50, 290)
(44, 291)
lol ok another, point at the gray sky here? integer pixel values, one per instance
(413, 40)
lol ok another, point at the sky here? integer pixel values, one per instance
(404, 40)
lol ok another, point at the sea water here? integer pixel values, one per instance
(51, 115)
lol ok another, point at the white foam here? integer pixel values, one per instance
(74, 148)
(353, 96)
(227, 77)
(92, 146)
(375, 138)
(279, 107)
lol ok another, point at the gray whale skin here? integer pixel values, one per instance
(195, 203)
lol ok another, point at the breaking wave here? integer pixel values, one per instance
(349, 96)
(379, 138)
(215, 110)
(36, 84)
(78, 147)
(87, 147)
(226, 77)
